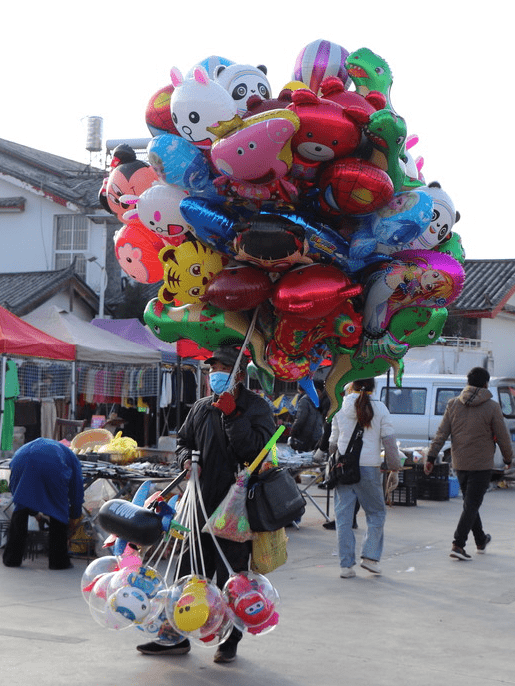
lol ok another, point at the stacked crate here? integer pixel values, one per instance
(436, 485)
(406, 492)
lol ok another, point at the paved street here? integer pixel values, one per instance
(428, 620)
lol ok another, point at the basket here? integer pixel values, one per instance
(408, 477)
(404, 495)
(87, 440)
(437, 489)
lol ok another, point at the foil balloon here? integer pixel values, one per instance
(387, 132)
(318, 60)
(254, 152)
(137, 251)
(392, 227)
(129, 176)
(353, 186)
(210, 64)
(243, 81)
(212, 223)
(284, 366)
(238, 288)
(196, 104)
(178, 162)
(204, 324)
(370, 72)
(187, 269)
(158, 116)
(442, 221)
(415, 277)
(157, 208)
(452, 246)
(326, 132)
(313, 292)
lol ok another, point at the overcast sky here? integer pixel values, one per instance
(452, 67)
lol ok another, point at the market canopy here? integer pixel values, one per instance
(133, 330)
(18, 337)
(92, 343)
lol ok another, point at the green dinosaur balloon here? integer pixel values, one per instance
(452, 246)
(206, 325)
(416, 326)
(370, 72)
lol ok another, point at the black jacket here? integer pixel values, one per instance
(223, 453)
(307, 428)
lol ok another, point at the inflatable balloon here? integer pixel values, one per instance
(326, 132)
(286, 367)
(253, 602)
(318, 60)
(158, 116)
(130, 522)
(370, 72)
(392, 227)
(452, 245)
(97, 568)
(333, 88)
(179, 163)
(137, 251)
(387, 132)
(353, 186)
(238, 288)
(157, 208)
(187, 269)
(443, 219)
(199, 102)
(242, 81)
(129, 176)
(210, 64)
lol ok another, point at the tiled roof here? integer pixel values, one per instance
(22, 292)
(61, 179)
(488, 286)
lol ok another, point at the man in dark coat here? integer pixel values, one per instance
(229, 429)
(307, 429)
(46, 477)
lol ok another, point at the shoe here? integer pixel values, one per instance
(329, 525)
(68, 566)
(225, 653)
(482, 548)
(153, 648)
(371, 565)
(12, 564)
(459, 553)
(347, 572)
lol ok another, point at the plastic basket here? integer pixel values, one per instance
(433, 489)
(404, 495)
(408, 477)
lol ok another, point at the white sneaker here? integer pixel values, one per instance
(371, 565)
(347, 572)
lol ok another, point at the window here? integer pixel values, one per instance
(443, 395)
(507, 400)
(71, 241)
(405, 400)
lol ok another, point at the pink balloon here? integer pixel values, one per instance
(317, 61)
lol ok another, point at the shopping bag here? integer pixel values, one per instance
(269, 551)
(273, 500)
(230, 519)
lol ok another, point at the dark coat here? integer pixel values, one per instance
(307, 428)
(244, 436)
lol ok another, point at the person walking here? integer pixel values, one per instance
(374, 417)
(229, 429)
(475, 423)
(46, 478)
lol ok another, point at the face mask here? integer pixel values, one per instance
(219, 382)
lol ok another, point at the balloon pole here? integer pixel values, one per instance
(246, 340)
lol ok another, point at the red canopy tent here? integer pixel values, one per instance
(19, 338)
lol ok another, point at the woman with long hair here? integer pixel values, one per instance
(373, 416)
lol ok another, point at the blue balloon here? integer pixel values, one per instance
(210, 64)
(180, 163)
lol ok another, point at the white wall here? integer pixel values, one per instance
(501, 332)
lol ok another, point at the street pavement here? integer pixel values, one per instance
(427, 620)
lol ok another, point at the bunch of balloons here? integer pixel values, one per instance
(122, 592)
(308, 206)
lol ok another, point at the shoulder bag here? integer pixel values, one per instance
(344, 469)
(273, 500)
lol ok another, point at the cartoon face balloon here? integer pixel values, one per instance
(158, 210)
(178, 162)
(137, 251)
(242, 81)
(187, 269)
(197, 103)
(130, 177)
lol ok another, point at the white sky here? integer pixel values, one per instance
(452, 65)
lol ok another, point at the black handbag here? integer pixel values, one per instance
(344, 469)
(273, 500)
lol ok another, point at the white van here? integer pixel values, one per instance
(418, 406)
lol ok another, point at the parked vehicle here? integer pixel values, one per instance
(418, 407)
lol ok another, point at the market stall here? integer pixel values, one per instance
(35, 367)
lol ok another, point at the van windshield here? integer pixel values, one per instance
(507, 400)
(404, 400)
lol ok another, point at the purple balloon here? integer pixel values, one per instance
(317, 61)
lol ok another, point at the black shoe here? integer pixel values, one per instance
(329, 525)
(459, 553)
(11, 564)
(65, 566)
(153, 648)
(482, 548)
(225, 653)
